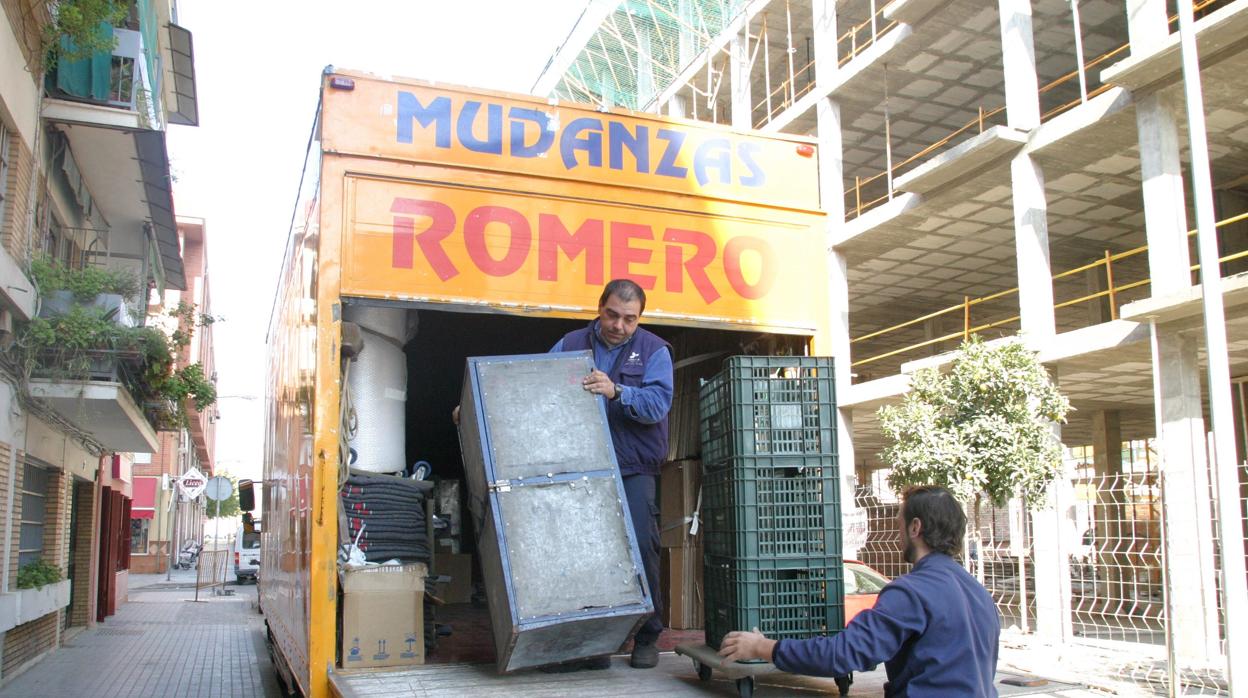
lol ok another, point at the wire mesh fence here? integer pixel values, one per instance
(1118, 587)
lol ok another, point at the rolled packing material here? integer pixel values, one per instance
(388, 322)
(378, 384)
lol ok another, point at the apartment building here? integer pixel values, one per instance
(161, 522)
(1019, 168)
(89, 236)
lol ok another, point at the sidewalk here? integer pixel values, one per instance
(161, 643)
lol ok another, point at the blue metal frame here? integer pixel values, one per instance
(647, 606)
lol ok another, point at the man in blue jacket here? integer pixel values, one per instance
(935, 628)
(634, 373)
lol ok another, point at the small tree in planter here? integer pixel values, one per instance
(983, 428)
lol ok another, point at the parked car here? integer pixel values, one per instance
(247, 554)
(862, 588)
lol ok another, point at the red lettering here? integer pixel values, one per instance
(624, 256)
(733, 251)
(441, 225)
(703, 254)
(520, 238)
(552, 236)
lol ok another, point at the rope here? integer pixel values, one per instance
(347, 426)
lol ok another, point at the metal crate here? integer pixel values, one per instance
(764, 506)
(559, 557)
(784, 599)
(768, 405)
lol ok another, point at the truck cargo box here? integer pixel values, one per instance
(558, 553)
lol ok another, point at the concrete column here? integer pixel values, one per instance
(832, 197)
(1031, 228)
(1052, 529)
(1098, 308)
(931, 330)
(1018, 62)
(1109, 556)
(1184, 473)
(1161, 171)
(1165, 208)
(1031, 248)
(739, 49)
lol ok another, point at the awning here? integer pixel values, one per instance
(144, 506)
(126, 168)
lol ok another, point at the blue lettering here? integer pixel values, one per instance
(638, 144)
(544, 135)
(570, 142)
(667, 164)
(438, 112)
(715, 153)
(756, 178)
(493, 142)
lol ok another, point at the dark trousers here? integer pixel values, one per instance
(644, 510)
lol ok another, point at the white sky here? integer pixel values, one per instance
(257, 70)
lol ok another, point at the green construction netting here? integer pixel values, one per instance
(641, 47)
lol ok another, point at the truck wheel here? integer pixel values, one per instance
(704, 671)
(745, 687)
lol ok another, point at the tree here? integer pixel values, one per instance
(982, 428)
(226, 507)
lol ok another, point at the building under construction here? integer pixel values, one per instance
(1013, 168)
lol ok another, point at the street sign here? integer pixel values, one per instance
(192, 483)
(219, 488)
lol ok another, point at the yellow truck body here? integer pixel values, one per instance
(440, 197)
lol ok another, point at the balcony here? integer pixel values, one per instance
(98, 400)
(111, 110)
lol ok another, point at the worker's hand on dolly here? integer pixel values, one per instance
(600, 383)
(739, 645)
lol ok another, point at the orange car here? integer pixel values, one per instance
(862, 587)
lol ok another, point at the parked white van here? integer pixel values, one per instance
(247, 554)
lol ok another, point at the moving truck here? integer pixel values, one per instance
(493, 220)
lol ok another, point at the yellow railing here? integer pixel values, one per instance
(1111, 292)
(855, 195)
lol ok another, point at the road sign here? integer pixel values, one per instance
(192, 483)
(219, 488)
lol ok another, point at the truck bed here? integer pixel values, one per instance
(675, 676)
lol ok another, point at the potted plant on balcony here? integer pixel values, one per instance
(83, 342)
(61, 289)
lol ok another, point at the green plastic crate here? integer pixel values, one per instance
(785, 599)
(772, 506)
(768, 405)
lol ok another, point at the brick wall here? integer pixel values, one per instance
(27, 20)
(14, 233)
(26, 642)
(80, 611)
(5, 452)
(56, 531)
(16, 538)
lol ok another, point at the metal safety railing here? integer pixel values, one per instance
(1111, 292)
(854, 197)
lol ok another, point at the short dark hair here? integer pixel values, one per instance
(944, 523)
(624, 289)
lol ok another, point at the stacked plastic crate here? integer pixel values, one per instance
(771, 499)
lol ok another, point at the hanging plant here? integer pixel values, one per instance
(82, 28)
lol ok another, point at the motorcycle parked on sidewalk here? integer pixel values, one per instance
(188, 556)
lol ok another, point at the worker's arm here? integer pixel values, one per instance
(874, 636)
(652, 400)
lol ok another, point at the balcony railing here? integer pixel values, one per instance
(966, 310)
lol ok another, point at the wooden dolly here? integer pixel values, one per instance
(706, 660)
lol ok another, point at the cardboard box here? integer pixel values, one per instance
(383, 619)
(681, 570)
(458, 567)
(679, 485)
